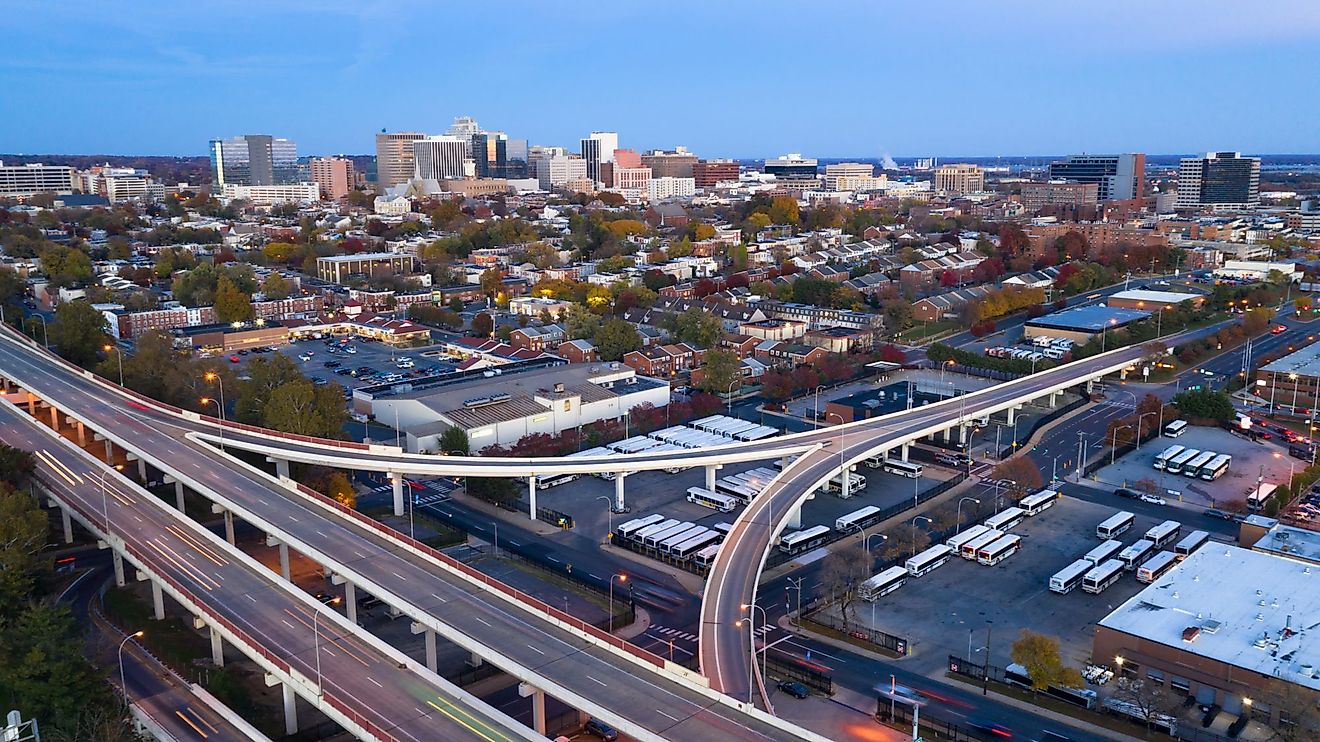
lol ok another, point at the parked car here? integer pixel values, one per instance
(1216, 513)
(600, 730)
(234, 359)
(793, 688)
(1152, 499)
(1128, 492)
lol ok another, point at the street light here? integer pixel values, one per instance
(105, 501)
(843, 467)
(45, 333)
(751, 641)
(107, 349)
(123, 683)
(220, 382)
(1103, 333)
(609, 516)
(914, 531)
(316, 642)
(622, 579)
(960, 502)
(796, 584)
(1113, 442)
(738, 381)
(221, 413)
(815, 419)
(1139, 417)
(866, 541)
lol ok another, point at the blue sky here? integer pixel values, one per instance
(728, 78)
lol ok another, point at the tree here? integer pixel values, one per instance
(783, 210)
(1039, 654)
(22, 537)
(231, 304)
(1148, 700)
(275, 287)
(456, 304)
(265, 374)
(15, 465)
(578, 323)
(842, 572)
(720, 372)
(898, 314)
(491, 281)
(338, 487)
(499, 490)
(78, 333)
(454, 439)
(1298, 714)
(1022, 471)
(45, 668)
(1206, 404)
(614, 338)
(66, 266)
(305, 409)
(483, 325)
(697, 327)
(738, 257)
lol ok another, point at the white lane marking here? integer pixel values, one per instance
(401, 577)
(286, 623)
(597, 681)
(556, 561)
(249, 597)
(479, 618)
(534, 649)
(437, 597)
(667, 716)
(373, 680)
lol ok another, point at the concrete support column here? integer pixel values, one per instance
(158, 600)
(290, 709)
(350, 601)
(538, 706)
(142, 470)
(1089, 384)
(54, 418)
(284, 561)
(67, 522)
(531, 496)
(282, 469)
(109, 452)
(962, 434)
(396, 482)
(795, 517)
(229, 527)
(118, 562)
(1054, 398)
(217, 648)
(178, 495)
(81, 431)
(1122, 374)
(618, 492)
(947, 436)
(845, 483)
(32, 404)
(904, 450)
(431, 662)
(710, 476)
(475, 660)
(1012, 412)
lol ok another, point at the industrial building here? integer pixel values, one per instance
(1145, 299)
(1080, 324)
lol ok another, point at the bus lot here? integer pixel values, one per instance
(1251, 459)
(958, 604)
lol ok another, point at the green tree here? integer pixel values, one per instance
(16, 465)
(614, 338)
(22, 537)
(697, 327)
(738, 257)
(275, 287)
(456, 304)
(454, 439)
(499, 490)
(1206, 404)
(78, 333)
(305, 409)
(231, 304)
(720, 371)
(66, 266)
(12, 291)
(578, 323)
(336, 485)
(1040, 655)
(265, 374)
(45, 670)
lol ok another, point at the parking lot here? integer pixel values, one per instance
(1251, 460)
(358, 362)
(957, 605)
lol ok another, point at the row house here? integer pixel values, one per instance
(829, 273)
(742, 346)
(537, 338)
(135, 324)
(374, 300)
(664, 361)
(1041, 279)
(816, 316)
(841, 340)
(578, 351)
(789, 355)
(869, 284)
(948, 305)
(962, 265)
(730, 315)
(290, 307)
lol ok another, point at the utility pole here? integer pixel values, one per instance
(1081, 454)
(985, 674)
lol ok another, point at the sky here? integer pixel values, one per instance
(725, 78)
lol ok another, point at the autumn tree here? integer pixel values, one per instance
(842, 572)
(78, 333)
(783, 210)
(276, 287)
(231, 304)
(1039, 654)
(483, 325)
(720, 372)
(1021, 471)
(303, 408)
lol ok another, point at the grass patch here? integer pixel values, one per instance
(823, 630)
(1107, 721)
(927, 330)
(172, 640)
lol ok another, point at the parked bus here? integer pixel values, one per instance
(1217, 467)
(714, 500)
(706, 556)
(928, 559)
(998, 550)
(1067, 579)
(799, 541)
(630, 529)
(1136, 554)
(1163, 533)
(679, 536)
(1006, 519)
(1166, 455)
(1259, 495)
(545, 483)
(1043, 500)
(1101, 577)
(882, 584)
(640, 536)
(693, 544)
(1104, 552)
(969, 548)
(965, 535)
(856, 483)
(1175, 428)
(724, 528)
(654, 538)
(1176, 464)
(1156, 566)
(1193, 468)
(856, 520)
(1191, 542)
(742, 493)
(1116, 525)
(903, 468)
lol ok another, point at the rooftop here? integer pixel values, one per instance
(1304, 362)
(1089, 319)
(1155, 297)
(364, 256)
(1289, 541)
(1251, 610)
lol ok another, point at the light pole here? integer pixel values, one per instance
(866, 540)
(622, 579)
(221, 413)
(220, 383)
(1113, 442)
(843, 466)
(45, 333)
(736, 381)
(914, 531)
(123, 683)
(115, 348)
(796, 584)
(815, 418)
(960, 503)
(105, 501)
(1293, 379)
(316, 642)
(609, 516)
(1104, 333)
(943, 366)
(752, 608)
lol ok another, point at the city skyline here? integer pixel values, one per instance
(718, 91)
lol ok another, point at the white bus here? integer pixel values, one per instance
(640, 535)
(1217, 467)
(1102, 576)
(1191, 542)
(1005, 520)
(856, 483)
(1166, 455)
(1175, 428)
(903, 468)
(1156, 566)
(694, 544)
(654, 538)
(1193, 468)
(706, 556)
(1258, 496)
(998, 550)
(724, 528)
(741, 492)
(678, 537)
(629, 529)
(856, 520)
(969, 548)
(928, 559)
(714, 500)
(965, 535)
(882, 584)
(1163, 533)
(1137, 554)
(1067, 579)
(1116, 525)
(1104, 552)
(545, 483)
(1176, 464)
(1043, 500)
(799, 541)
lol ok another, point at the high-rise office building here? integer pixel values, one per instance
(554, 169)
(1225, 180)
(517, 164)
(676, 164)
(254, 159)
(959, 179)
(791, 167)
(25, 181)
(464, 127)
(442, 157)
(599, 147)
(394, 157)
(841, 171)
(334, 175)
(707, 173)
(1118, 177)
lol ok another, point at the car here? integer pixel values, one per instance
(343, 371)
(1152, 499)
(1216, 513)
(325, 597)
(234, 359)
(243, 351)
(1278, 330)
(600, 730)
(793, 688)
(350, 349)
(305, 357)
(1128, 492)
(993, 728)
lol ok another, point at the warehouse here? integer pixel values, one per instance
(1162, 301)
(1080, 324)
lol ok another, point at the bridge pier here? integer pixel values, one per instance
(1012, 413)
(290, 709)
(618, 492)
(178, 495)
(157, 601)
(81, 431)
(229, 527)
(32, 404)
(217, 648)
(282, 467)
(429, 636)
(538, 706)
(962, 434)
(795, 517)
(475, 660)
(904, 450)
(55, 418)
(1054, 399)
(117, 561)
(845, 484)
(109, 452)
(396, 483)
(710, 476)
(284, 556)
(531, 496)
(947, 436)
(67, 522)
(350, 602)
(142, 469)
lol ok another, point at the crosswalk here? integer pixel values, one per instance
(666, 633)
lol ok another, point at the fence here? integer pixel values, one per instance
(898, 715)
(895, 644)
(808, 676)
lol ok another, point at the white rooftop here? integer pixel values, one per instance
(1157, 297)
(1255, 611)
(1297, 543)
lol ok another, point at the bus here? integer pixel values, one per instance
(1175, 428)
(554, 480)
(629, 529)
(856, 483)
(1166, 455)
(928, 559)
(1137, 554)
(903, 468)
(799, 541)
(1193, 468)
(724, 528)
(1258, 496)
(856, 520)
(998, 550)
(1163, 533)
(654, 538)
(882, 584)
(1101, 577)
(1067, 579)
(965, 535)
(706, 556)
(1175, 465)
(693, 544)
(714, 500)
(1005, 520)
(1116, 525)
(969, 548)
(1217, 467)
(742, 493)
(1043, 500)
(640, 536)
(1191, 542)
(1104, 552)
(1156, 566)
(679, 536)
